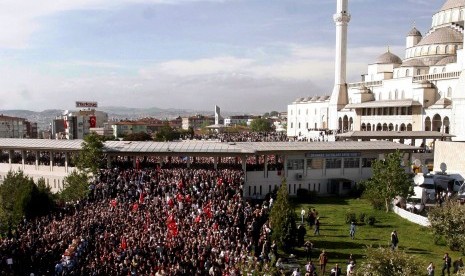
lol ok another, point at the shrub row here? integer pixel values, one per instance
(361, 218)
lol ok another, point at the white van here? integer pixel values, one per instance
(451, 182)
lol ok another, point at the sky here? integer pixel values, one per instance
(248, 56)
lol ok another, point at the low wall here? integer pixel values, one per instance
(420, 220)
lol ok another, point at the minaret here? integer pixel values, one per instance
(339, 96)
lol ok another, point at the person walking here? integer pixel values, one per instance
(317, 227)
(302, 214)
(447, 264)
(323, 260)
(308, 249)
(394, 239)
(430, 269)
(352, 230)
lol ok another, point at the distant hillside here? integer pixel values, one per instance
(44, 118)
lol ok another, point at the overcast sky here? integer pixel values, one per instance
(243, 55)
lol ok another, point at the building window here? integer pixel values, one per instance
(292, 125)
(351, 162)
(315, 163)
(367, 162)
(297, 164)
(407, 72)
(449, 92)
(333, 163)
(299, 125)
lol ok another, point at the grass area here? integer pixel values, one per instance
(334, 233)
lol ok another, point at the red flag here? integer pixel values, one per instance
(170, 220)
(179, 197)
(219, 181)
(173, 229)
(135, 207)
(180, 184)
(123, 243)
(93, 121)
(197, 219)
(113, 202)
(208, 211)
(170, 202)
(141, 197)
(65, 123)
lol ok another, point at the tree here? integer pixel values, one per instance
(388, 181)
(76, 186)
(274, 113)
(448, 221)
(21, 197)
(166, 133)
(385, 261)
(91, 158)
(260, 125)
(140, 136)
(282, 219)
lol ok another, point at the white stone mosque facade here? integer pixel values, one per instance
(423, 91)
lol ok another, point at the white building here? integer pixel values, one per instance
(77, 124)
(424, 91)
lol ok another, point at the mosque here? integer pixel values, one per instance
(424, 91)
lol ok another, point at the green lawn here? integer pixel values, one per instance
(334, 233)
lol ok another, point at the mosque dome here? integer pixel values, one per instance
(388, 58)
(414, 32)
(447, 60)
(413, 63)
(451, 4)
(443, 35)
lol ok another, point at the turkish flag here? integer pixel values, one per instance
(93, 121)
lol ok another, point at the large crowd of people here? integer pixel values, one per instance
(160, 221)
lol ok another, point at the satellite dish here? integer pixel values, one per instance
(418, 179)
(417, 162)
(443, 167)
(424, 170)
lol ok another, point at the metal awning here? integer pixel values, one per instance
(354, 135)
(375, 104)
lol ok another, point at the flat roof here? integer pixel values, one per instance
(197, 147)
(394, 135)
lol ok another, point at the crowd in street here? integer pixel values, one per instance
(164, 221)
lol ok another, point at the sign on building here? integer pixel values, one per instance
(86, 104)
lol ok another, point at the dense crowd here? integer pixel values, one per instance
(245, 136)
(160, 221)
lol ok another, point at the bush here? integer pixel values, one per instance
(361, 217)
(350, 216)
(370, 220)
(384, 261)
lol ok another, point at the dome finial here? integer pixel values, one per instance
(388, 49)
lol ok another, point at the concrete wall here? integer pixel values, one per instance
(420, 220)
(54, 177)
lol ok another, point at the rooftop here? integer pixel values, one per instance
(205, 147)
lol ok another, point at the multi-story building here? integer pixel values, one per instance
(77, 124)
(425, 91)
(197, 121)
(15, 127)
(238, 120)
